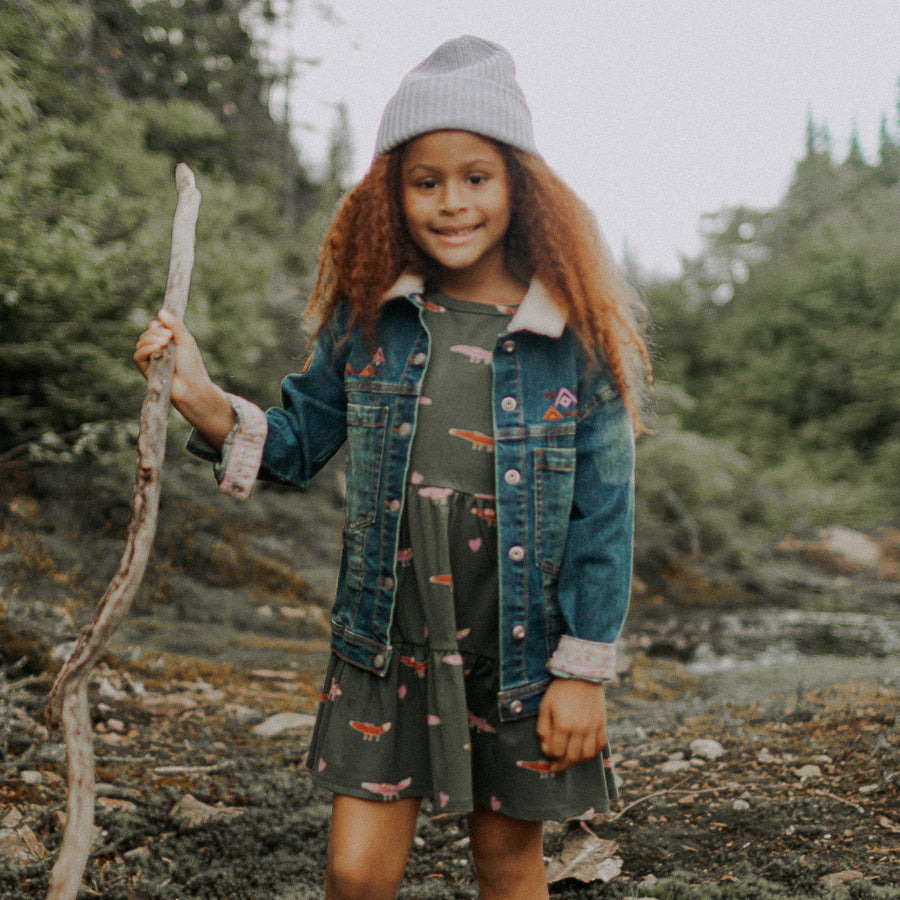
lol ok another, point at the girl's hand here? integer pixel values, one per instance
(190, 374)
(572, 722)
(194, 394)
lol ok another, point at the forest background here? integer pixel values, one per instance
(776, 353)
(776, 349)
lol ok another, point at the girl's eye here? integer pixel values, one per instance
(477, 179)
(427, 184)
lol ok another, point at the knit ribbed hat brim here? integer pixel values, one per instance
(467, 84)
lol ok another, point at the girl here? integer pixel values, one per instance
(476, 349)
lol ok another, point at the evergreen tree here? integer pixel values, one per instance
(93, 119)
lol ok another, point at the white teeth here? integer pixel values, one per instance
(457, 232)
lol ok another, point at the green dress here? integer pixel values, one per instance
(430, 727)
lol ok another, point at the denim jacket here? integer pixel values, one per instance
(564, 468)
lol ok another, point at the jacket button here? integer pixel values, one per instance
(516, 707)
(404, 430)
(508, 404)
(517, 553)
(512, 476)
(388, 584)
(518, 632)
(508, 346)
(378, 661)
(419, 359)
(394, 506)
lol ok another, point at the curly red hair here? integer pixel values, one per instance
(552, 236)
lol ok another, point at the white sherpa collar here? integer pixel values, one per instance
(537, 311)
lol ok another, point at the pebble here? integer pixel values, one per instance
(837, 879)
(243, 714)
(674, 765)
(805, 773)
(740, 806)
(14, 846)
(112, 804)
(169, 705)
(11, 819)
(191, 812)
(707, 748)
(281, 722)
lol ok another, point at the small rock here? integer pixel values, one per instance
(838, 879)
(244, 714)
(764, 756)
(822, 760)
(281, 722)
(687, 800)
(274, 674)
(61, 652)
(11, 819)
(170, 705)
(805, 773)
(16, 846)
(707, 748)
(853, 546)
(30, 777)
(107, 689)
(674, 765)
(191, 812)
(869, 788)
(740, 806)
(113, 804)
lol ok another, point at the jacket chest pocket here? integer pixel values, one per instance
(554, 482)
(366, 436)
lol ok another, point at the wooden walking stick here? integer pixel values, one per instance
(68, 705)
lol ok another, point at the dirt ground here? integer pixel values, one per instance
(192, 802)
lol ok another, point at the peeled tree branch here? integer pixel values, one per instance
(68, 705)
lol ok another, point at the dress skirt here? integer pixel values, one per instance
(430, 726)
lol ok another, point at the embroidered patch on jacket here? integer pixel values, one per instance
(563, 405)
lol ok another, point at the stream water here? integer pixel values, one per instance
(773, 637)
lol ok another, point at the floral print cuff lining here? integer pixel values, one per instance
(243, 449)
(587, 660)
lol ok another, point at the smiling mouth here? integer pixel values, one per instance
(455, 234)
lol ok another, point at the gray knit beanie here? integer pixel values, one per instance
(467, 84)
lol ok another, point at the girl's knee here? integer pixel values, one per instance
(368, 848)
(508, 856)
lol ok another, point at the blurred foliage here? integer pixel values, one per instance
(99, 101)
(777, 348)
(784, 334)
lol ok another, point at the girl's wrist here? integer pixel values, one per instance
(208, 408)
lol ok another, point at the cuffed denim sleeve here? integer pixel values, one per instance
(237, 465)
(595, 577)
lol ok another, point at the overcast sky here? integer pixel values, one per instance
(655, 111)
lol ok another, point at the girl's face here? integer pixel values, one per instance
(456, 200)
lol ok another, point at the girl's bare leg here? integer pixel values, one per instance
(508, 855)
(368, 847)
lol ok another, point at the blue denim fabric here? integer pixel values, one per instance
(564, 464)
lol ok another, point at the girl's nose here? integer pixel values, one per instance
(452, 198)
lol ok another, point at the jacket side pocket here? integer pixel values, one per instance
(554, 485)
(366, 436)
